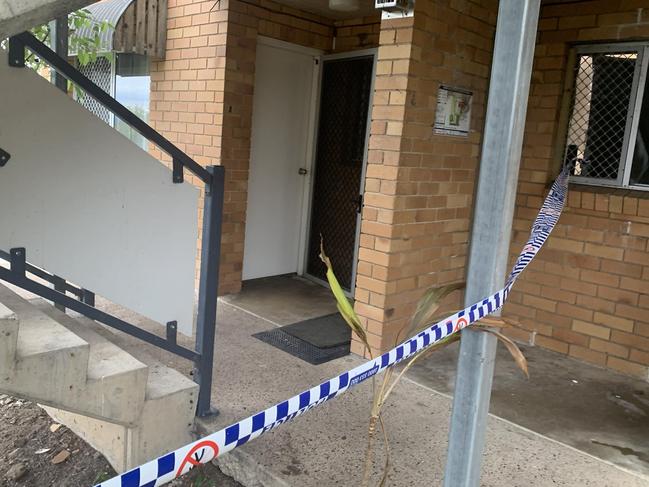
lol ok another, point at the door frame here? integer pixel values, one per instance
(307, 208)
(308, 159)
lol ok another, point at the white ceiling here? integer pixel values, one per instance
(321, 7)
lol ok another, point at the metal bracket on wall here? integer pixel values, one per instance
(177, 175)
(16, 53)
(4, 157)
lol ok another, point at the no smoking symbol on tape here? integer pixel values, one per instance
(196, 455)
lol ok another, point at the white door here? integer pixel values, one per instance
(281, 126)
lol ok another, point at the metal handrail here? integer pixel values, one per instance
(214, 179)
(16, 274)
(17, 46)
(46, 276)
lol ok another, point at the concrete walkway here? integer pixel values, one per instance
(326, 446)
(595, 410)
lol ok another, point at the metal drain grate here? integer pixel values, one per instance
(301, 349)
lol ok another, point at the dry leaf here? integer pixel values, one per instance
(496, 321)
(429, 304)
(499, 321)
(60, 457)
(515, 352)
(55, 427)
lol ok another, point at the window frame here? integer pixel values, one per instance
(633, 111)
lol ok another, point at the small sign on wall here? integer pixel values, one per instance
(453, 115)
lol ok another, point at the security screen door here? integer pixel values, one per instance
(340, 153)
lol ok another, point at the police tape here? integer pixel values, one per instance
(172, 465)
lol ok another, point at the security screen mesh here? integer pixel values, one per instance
(600, 110)
(344, 105)
(99, 72)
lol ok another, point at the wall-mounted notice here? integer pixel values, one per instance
(453, 116)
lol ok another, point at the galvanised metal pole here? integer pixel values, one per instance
(492, 224)
(209, 287)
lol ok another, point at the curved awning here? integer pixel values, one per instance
(140, 26)
(110, 11)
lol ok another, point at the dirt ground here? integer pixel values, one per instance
(34, 450)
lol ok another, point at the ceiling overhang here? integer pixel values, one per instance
(20, 15)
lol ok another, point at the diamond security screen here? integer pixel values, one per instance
(99, 72)
(342, 131)
(600, 112)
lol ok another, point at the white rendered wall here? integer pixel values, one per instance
(92, 207)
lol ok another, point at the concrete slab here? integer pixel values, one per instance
(19, 15)
(283, 300)
(326, 446)
(595, 410)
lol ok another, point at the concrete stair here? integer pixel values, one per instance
(130, 411)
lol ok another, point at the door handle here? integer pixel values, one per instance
(302, 171)
(359, 203)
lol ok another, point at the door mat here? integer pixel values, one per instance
(322, 332)
(315, 341)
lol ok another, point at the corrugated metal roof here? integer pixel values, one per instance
(105, 11)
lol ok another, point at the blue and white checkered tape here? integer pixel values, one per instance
(168, 467)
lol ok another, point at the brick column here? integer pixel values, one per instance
(419, 185)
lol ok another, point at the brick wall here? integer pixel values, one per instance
(419, 186)
(358, 33)
(201, 93)
(587, 294)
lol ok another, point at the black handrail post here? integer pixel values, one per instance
(60, 286)
(18, 261)
(208, 288)
(16, 53)
(88, 297)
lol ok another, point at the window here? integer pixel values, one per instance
(101, 73)
(126, 78)
(608, 130)
(132, 88)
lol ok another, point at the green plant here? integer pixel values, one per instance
(101, 477)
(87, 46)
(84, 39)
(202, 481)
(424, 315)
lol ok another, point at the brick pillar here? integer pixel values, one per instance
(377, 273)
(419, 185)
(201, 99)
(187, 86)
(241, 43)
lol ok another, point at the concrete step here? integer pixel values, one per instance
(116, 382)
(166, 422)
(99, 380)
(130, 410)
(8, 337)
(49, 363)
